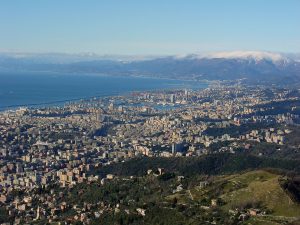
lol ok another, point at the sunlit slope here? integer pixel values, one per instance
(262, 187)
(256, 189)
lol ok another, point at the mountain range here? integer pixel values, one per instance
(249, 65)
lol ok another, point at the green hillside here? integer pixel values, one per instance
(256, 189)
(171, 198)
(262, 187)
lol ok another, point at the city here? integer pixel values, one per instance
(150, 112)
(63, 146)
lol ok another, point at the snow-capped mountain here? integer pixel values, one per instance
(240, 55)
(250, 55)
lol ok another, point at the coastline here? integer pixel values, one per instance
(107, 93)
(103, 75)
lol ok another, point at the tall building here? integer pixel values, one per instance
(186, 93)
(173, 148)
(111, 106)
(172, 98)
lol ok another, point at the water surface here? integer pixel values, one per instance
(28, 89)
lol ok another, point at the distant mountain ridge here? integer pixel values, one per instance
(251, 55)
(250, 65)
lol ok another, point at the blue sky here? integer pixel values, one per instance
(149, 26)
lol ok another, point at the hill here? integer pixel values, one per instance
(256, 189)
(208, 164)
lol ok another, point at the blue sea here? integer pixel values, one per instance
(38, 89)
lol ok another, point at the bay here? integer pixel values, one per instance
(34, 89)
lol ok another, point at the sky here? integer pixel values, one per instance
(145, 27)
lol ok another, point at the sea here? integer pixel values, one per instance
(48, 89)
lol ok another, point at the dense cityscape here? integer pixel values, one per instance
(149, 112)
(48, 151)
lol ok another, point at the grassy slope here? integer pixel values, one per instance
(261, 186)
(255, 186)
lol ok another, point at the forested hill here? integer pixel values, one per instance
(210, 165)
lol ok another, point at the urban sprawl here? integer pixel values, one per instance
(62, 145)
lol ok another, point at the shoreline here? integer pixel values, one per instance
(60, 103)
(102, 75)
